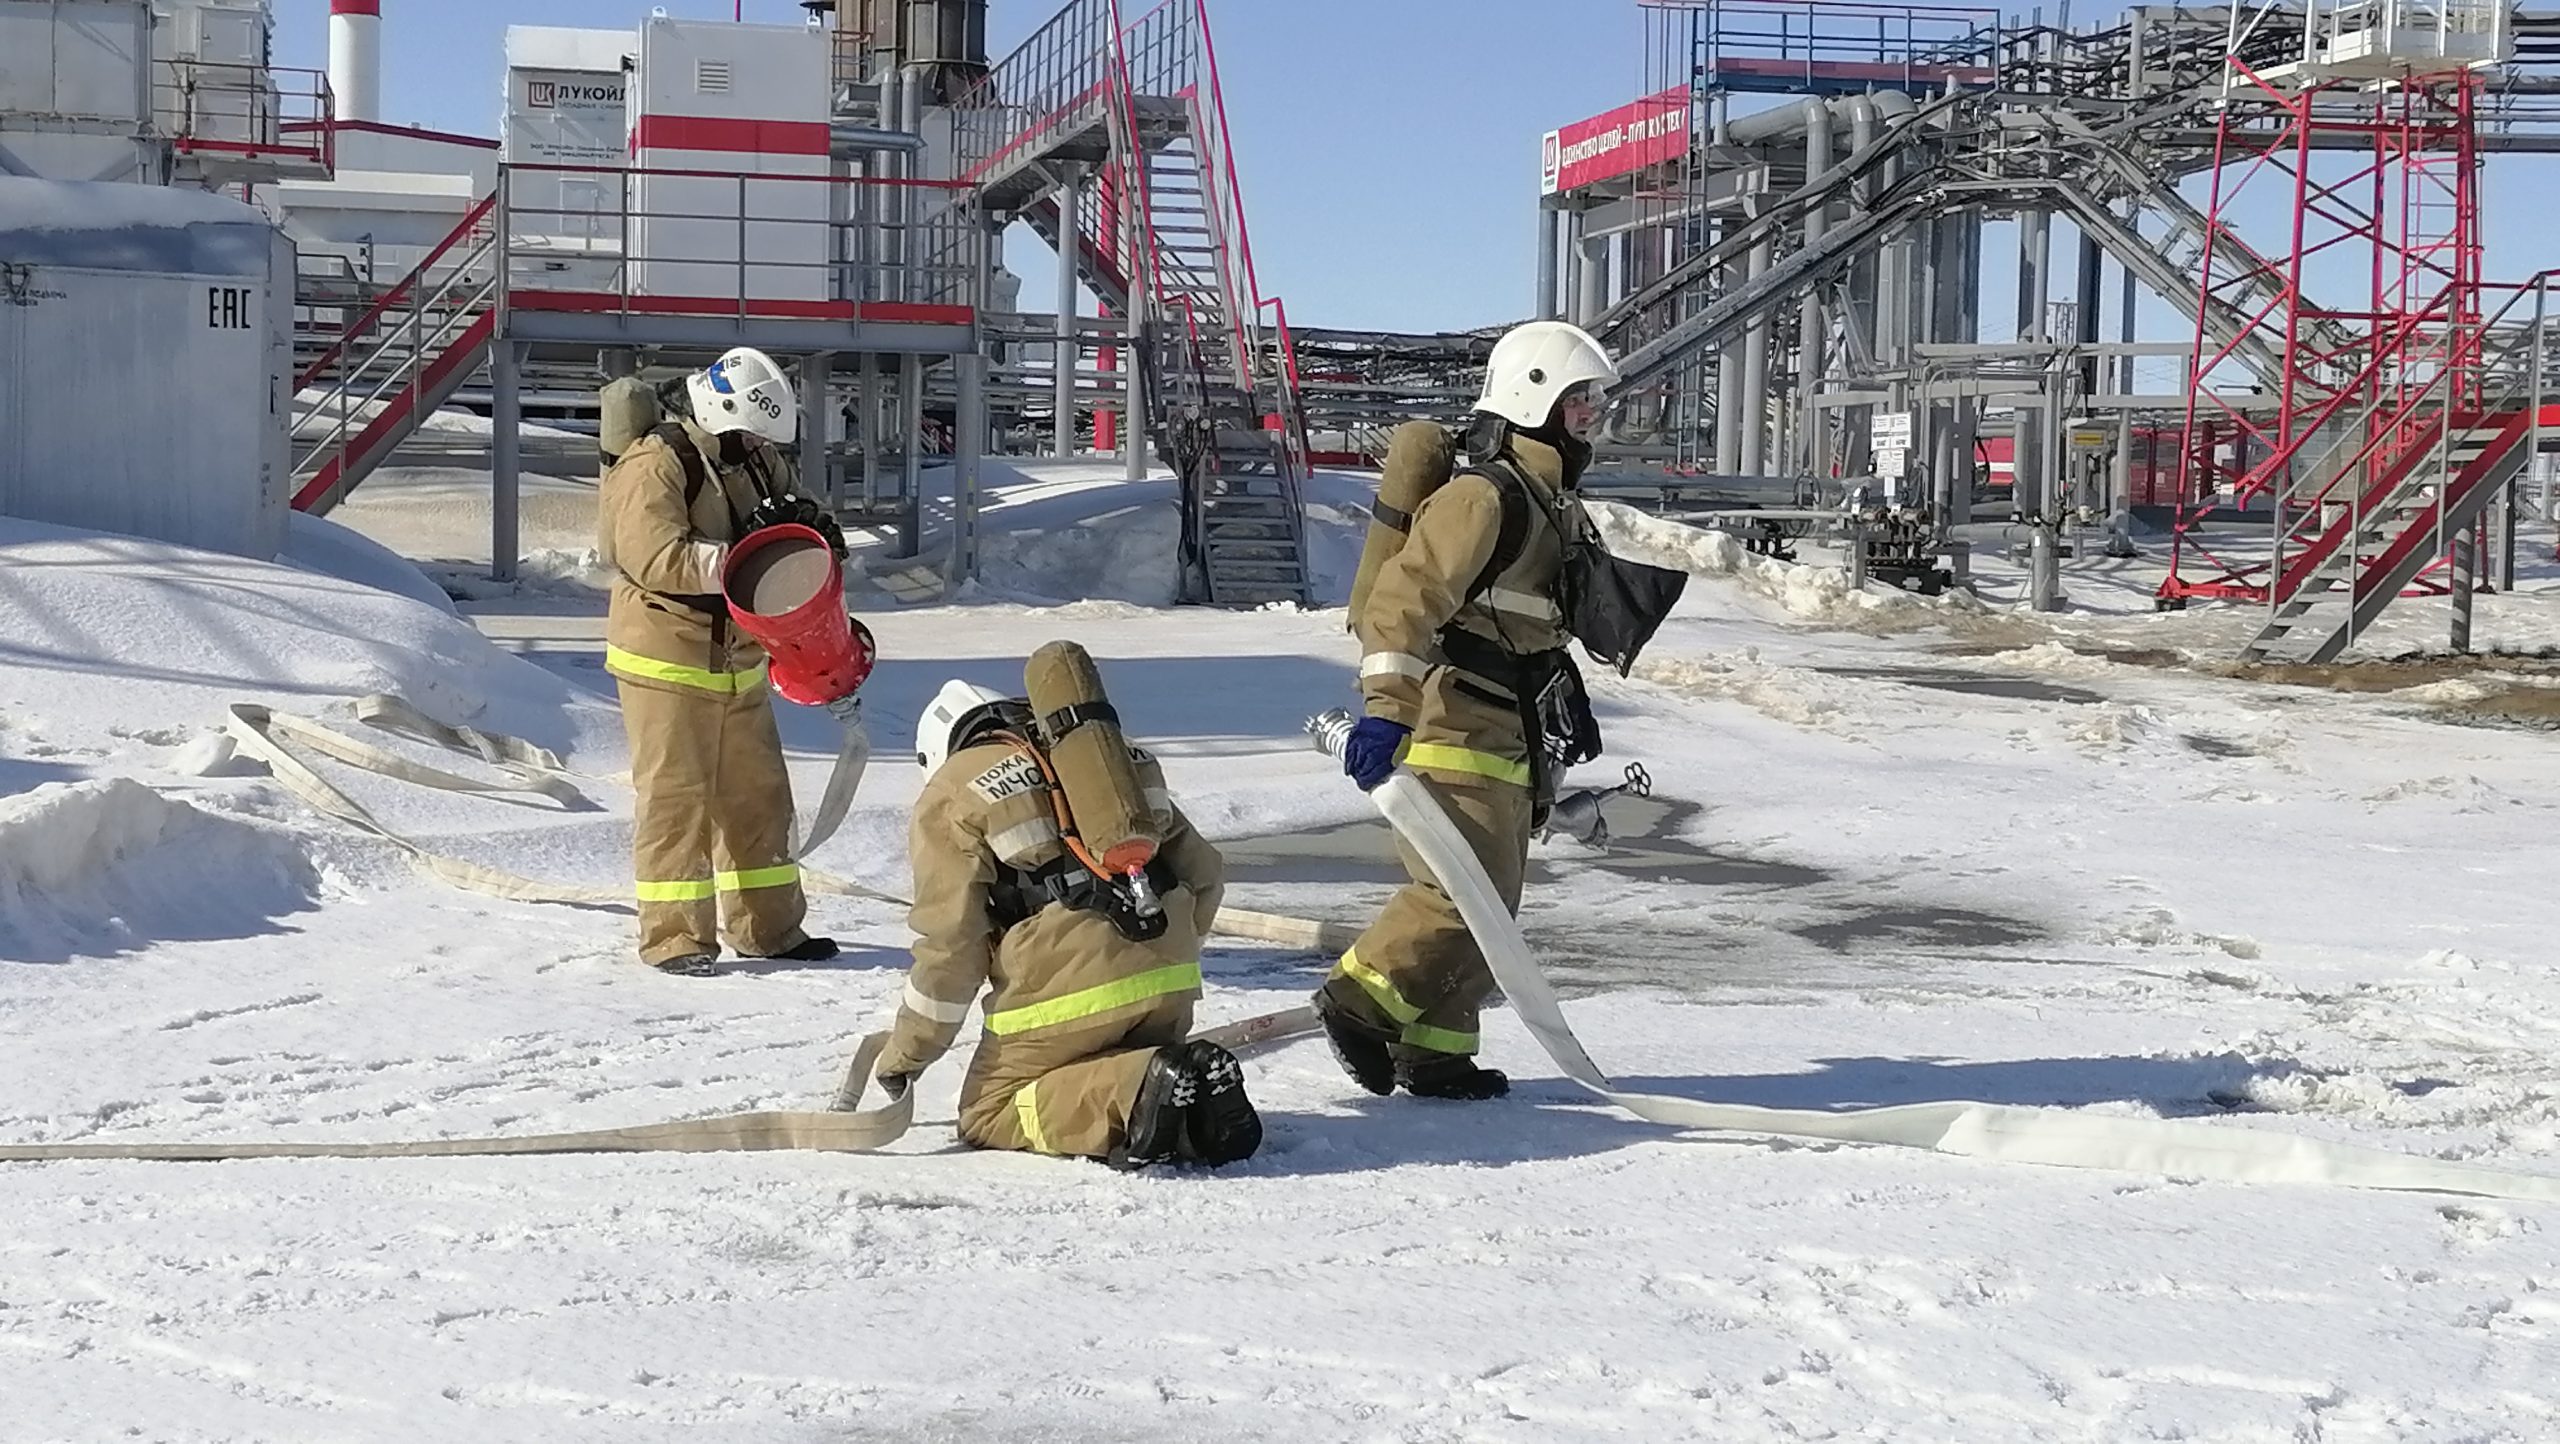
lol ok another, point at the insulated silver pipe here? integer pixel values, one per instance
(1755, 372)
(1813, 446)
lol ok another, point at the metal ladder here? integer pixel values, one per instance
(394, 364)
(2361, 522)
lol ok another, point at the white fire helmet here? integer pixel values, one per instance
(958, 704)
(1533, 366)
(745, 391)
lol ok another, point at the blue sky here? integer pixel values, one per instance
(1388, 148)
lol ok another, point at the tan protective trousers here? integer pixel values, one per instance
(1417, 974)
(1068, 1089)
(711, 824)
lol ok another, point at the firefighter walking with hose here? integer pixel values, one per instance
(1461, 613)
(712, 817)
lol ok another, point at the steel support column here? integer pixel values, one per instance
(506, 458)
(1071, 193)
(911, 425)
(1549, 283)
(817, 464)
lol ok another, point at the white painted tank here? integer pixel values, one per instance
(145, 357)
(725, 100)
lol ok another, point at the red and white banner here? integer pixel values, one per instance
(1649, 132)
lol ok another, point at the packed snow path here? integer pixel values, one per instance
(1879, 873)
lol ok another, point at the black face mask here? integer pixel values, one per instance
(735, 448)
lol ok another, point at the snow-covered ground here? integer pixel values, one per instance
(1901, 851)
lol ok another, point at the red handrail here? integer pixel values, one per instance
(374, 312)
(857, 182)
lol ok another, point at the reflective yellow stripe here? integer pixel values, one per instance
(1376, 985)
(1026, 1111)
(1440, 758)
(1085, 1002)
(729, 684)
(1441, 1040)
(696, 890)
(756, 877)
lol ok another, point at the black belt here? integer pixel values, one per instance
(1018, 894)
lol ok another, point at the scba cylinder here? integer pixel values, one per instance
(1420, 457)
(1092, 759)
(629, 408)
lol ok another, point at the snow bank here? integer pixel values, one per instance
(106, 641)
(333, 550)
(2053, 659)
(1793, 695)
(1080, 539)
(110, 866)
(1802, 593)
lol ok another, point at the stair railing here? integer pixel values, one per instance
(432, 312)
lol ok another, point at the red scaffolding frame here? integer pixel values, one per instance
(2380, 174)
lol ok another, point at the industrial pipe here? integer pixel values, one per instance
(355, 59)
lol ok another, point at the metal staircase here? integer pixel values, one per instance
(1162, 230)
(397, 361)
(2358, 524)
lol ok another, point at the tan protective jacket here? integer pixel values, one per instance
(1058, 967)
(661, 553)
(1466, 728)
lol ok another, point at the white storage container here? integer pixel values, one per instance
(146, 352)
(733, 101)
(568, 104)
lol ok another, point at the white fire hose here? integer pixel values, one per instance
(260, 732)
(2056, 1137)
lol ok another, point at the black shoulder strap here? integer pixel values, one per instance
(695, 477)
(1513, 538)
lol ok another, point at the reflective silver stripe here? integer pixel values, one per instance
(1524, 604)
(1394, 664)
(1022, 837)
(710, 557)
(1159, 800)
(933, 1009)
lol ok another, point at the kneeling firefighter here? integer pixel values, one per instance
(1054, 874)
(1471, 582)
(711, 824)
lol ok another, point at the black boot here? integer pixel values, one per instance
(807, 950)
(1358, 1047)
(1160, 1117)
(691, 965)
(1223, 1128)
(1450, 1075)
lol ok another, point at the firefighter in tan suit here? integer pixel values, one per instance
(1461, 626)
(1083, 1050)
(711, 823)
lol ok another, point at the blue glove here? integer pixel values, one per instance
(1369, 756)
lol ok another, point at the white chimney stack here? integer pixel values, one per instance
(355, 58)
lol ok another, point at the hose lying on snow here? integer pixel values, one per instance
(2061, 1138)
(259, 732)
